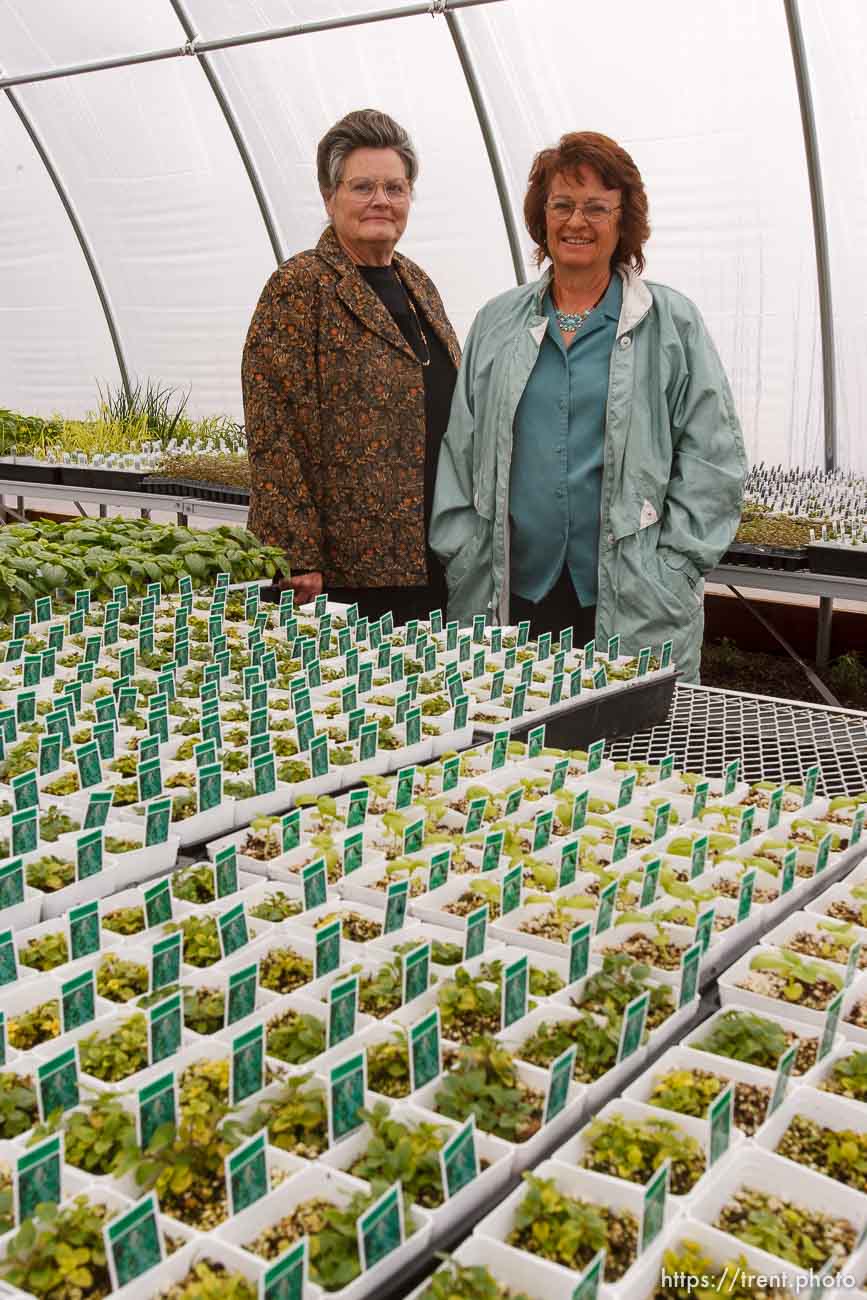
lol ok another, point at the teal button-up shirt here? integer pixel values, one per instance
(555, 489)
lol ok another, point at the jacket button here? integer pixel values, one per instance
(626, 341)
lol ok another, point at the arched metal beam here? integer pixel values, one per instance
(236, 130)
(820, 229)
(491, 147)
(78, 229)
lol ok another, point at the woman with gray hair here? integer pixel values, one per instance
(348, 373)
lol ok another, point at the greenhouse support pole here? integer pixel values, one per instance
(83, 242)
(820, 229)
(494, 158)
(237, 133)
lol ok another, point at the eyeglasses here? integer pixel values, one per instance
(595, 212)
(363, 188)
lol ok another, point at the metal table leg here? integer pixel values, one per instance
(823, 633)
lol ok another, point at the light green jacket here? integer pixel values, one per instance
(672, 478)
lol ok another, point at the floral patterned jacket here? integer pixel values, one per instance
(334, 407)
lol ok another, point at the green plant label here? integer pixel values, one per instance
(110, 633)
(745, 824)
(461, 710)
(150, 779)
(731, 776)
(158, 724)
(25, 831)
(852, 963)
(627, 789)
(356, 722)
(84, 673)
(476, 934)
(314, 883)
(559, 1078)
(397, 900)
(106, 709)
(704, 927)
(775, 807)
(8, 725)
(365, 674)
(594, 755)
(464, 649)
(690, 973)
(89, 765)
(84, 930)
(57, 1084)
(356, 814)
(590, 1279)
(241, 995)
(661, 820)
(413, 837)
(811, 780)
(787, 877)
(209, 786)
(451, 772)
(342, 1010)
(632, 1028)
(653, 1208)
(415, 966)
(512, 890)
(785, 1065)
(475, 814)
(78, 1001)
(89, 854)
(59, 721)
(56, 636)
(857, 826)
(319, 755)
(265, 774)
(720, 1115)
(166, 962)
(33, 669)
(600, 678)
(829, 1030)
(568, 864)
(25, 707)
(2, 1038)
(133, 1242)
(11, 883)
(622, 840)
(204, 752)
(328, 939)
(259, 722)
(579, 951)
(127, 700)
(492, 850)
(403, 788)
(542, 828)
(127, 661)
(290, 830)
(25, 791)
(347, 1084)
(38, 1178)
(8, 959)
(698, 856)
(513, 802)
(104, 734)
(497, 680)
(412, 723)
(605, 907)
(368, 741)
(157, 821)
(516, 988)
(579, 811)
(157, 1106)
(145, 642)
(745, 895)
(440, 866)
(459, 1162)
(247, 1174)
(286, 1278)
(226, 871)
(519, 696)
(232, 925)
(380, 1228)
(823, 852)
(425, 1063)
(247, 1065)
(523, 633)
(454, 685)
(558, 775)
(13, 651)
(305, 728)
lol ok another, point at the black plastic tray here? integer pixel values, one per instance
(187, 487)
(841, 561)
(643, 705)
(113, 480)
(766, 557)
(29, 471)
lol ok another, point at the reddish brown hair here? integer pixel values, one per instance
(617, 172)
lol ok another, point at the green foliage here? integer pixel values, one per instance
(621, 979)
(125, 920)
(120, 980)
(388, 1066)
(49, 874)
(210, 1280)
(295, 1037)
(838, 1153)
(687, 1263)
(297, 1117)
(783, 1228)
(278, 906)
(381, 992)
(469, 1006)
(848, 1077)
(745, 1036)
(118, 1054)
(35, 1026)
(46, 952)
(204, 1009)
(482, 1080)
(472, 1282)
(634, 1150)
(596, 1045)
(18, 1105)
(60, 1252)
(194, 884)
(570, 1231)
(283, 969)
(201, 939)
(405, 1152)
(95, 1135)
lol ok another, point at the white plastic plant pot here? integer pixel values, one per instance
(183, 911)
(208, 825)
(262, 892)
(302, 1003)
(574, 1151)
(216, 979)
(72, 1181)
(508, 929)
(96, 1196)
(176, 1267)
(515, 1272)
(764, 909)
(19, 998)
(129, 898)
(306, 923)
(731, 988)
(145, 863)
(338, 1187)
(359, 886)
(252, 865)
(449, 738)
(678, 1058)
(821, 1072)
(33, 933)
(848, 907)
(614, 938)
(853, 1020)
(281, 937)
(819, 927)
(50, 779)
(59, 901)
(757, 1169)
(25, 914)
(263, 805)
(516, 1036)
(597, 1189)
(493, 1152)
(425, 932)
(103, 1027)
(791, 1026)
(246, 879)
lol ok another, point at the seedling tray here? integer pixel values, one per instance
(114, 480)
(638, 707)
(767, 557)
(188, 487)
(29, 471)
(843, 561)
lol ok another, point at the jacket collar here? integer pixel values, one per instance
(637, 298)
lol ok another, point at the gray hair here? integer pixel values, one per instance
(366, 128)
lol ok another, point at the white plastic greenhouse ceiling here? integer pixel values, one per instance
(154, 168)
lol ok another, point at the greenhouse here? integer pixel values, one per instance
(433, 650)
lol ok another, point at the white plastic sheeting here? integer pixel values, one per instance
(703, 96)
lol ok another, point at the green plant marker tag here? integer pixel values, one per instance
(78, 1001)
(698, 856)
(594, 755)
(38, 1178)
(699, 798)
(2, 1038)
(157, 1105)
(89, 854)
(319, 755)
(600, 678)
(314, 883)
(209, 786)
(25, 831)
(811, 780)
(25, 707)
(247, 1174)
(852, 963)
(226, 871)
(166, 962)
(499, 749)
(535, 741)
(513, 802)
(232, 925)
(104, 735)
(459, 1162)
(57, 1084)
(13, 651)
(650, 883)
(857, 826)
(397, 900)
(357, 812)
(543, 826)
(415, 972)
(690, 973)
(158, 903)
(515, 991)
(785, 1066)
(627, 789)
(440, 866)
(59, 721)
(133, 1242)
(425, 1063)
(775, 807)
(731, 776)
(605, 908)
(365, 675)
(579, 811)
(579, 951)
(265, 774)
(475, 936)
(404, 787)
(558, 776)
(368, 741)
(342, 1010)
(290, 830)
(632, 1029)
(157, 821)
(56, 636)
(451, 773)
(25, 791)
(158, 724)
(84, 935)
(412, 723)
(720, 1115)
(512, 890)
(787, 878)
(590, 1280)
(653, 1209)
(822, 854)
(247, 1065)
(150, 779)
(475, 814)
(413, 837)
(704, 927)
(11, 883)
(380, 1229)
(8, 959)
(745, 895)
(356, 722)
(286, 1278)
(328, 938)
(745, 825)
(33, 669)
(241, 995)
(492, 850)
(519, 696)
(622, 840)
(661, 820)
(347, 1084)
(568, 864)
